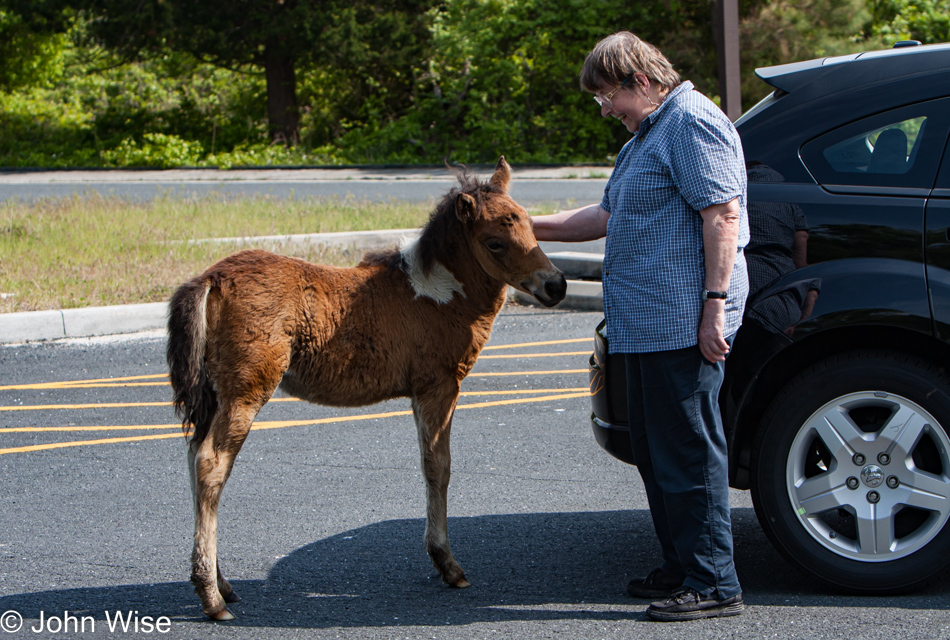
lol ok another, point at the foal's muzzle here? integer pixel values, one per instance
(549, 287)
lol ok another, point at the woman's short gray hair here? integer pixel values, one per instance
(619, 56)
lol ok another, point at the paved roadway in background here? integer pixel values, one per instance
(532, 186)
(322, 522)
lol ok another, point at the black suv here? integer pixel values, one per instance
(836, 400)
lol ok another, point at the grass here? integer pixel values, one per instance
(592, 175)
(62, 253)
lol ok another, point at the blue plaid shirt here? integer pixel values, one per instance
(686, 156)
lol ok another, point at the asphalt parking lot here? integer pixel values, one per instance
(322, 522)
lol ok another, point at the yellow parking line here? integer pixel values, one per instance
(525, 373)
(281, 424)
(500, 403)
(70, 383)
(101, 405)
(92, 384)
(116, 386)
(63, 445)
(260, 426)
(537, 355)
(132, 427)
(512, 392)
(127, 405)
(49, 386)
(537, 344)
(112, 382)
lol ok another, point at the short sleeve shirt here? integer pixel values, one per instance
(686, 156)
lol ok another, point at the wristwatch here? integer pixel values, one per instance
(714, 295)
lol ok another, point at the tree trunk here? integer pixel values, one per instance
(726, 36)
(283, 114)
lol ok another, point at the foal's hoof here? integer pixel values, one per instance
(221, 616)
(231, 597)
(461, 583)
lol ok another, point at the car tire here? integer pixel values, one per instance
(850, 472)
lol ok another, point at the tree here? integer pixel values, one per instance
(781, 31)
(277, 36)
(924, 20)
(31, 45)
(502, 77)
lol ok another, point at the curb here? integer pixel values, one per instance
(358, 240)
(31, 326)
(583, 270)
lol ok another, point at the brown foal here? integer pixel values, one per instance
(402, 323)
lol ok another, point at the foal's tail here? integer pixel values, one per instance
(194, 397)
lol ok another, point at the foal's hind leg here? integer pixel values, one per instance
(210, 463)
(244, 384)
(224, 587)
(433, 411)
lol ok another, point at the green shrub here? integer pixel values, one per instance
(158, 150)
(924, 20)
(29, 58)
(268, 155)
(45, 128)
(503, 80)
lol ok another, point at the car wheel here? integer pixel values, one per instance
(851, 472)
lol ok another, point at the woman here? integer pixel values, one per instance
(675, 285)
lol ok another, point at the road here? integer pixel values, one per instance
(531, 186)
(322, 522)
(561, 193)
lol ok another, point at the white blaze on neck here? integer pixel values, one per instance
(439, 284)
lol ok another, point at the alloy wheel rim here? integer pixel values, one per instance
(868, 476)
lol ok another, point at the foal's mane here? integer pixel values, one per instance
(439, 239)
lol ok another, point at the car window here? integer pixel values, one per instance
(898, 148)
(886, 149)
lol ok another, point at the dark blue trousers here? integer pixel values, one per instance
(680, 450)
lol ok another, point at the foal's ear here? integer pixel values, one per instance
(502, 175)
(465, 207)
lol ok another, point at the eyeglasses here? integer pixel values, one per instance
(604, 101)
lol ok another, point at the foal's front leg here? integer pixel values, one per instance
(433, 410)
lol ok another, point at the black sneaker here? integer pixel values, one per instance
(655, 585)
(689, 604)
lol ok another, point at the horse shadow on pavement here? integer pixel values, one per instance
(536, 566)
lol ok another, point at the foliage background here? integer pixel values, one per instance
(420, 82)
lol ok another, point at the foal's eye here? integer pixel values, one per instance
(495, 246)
